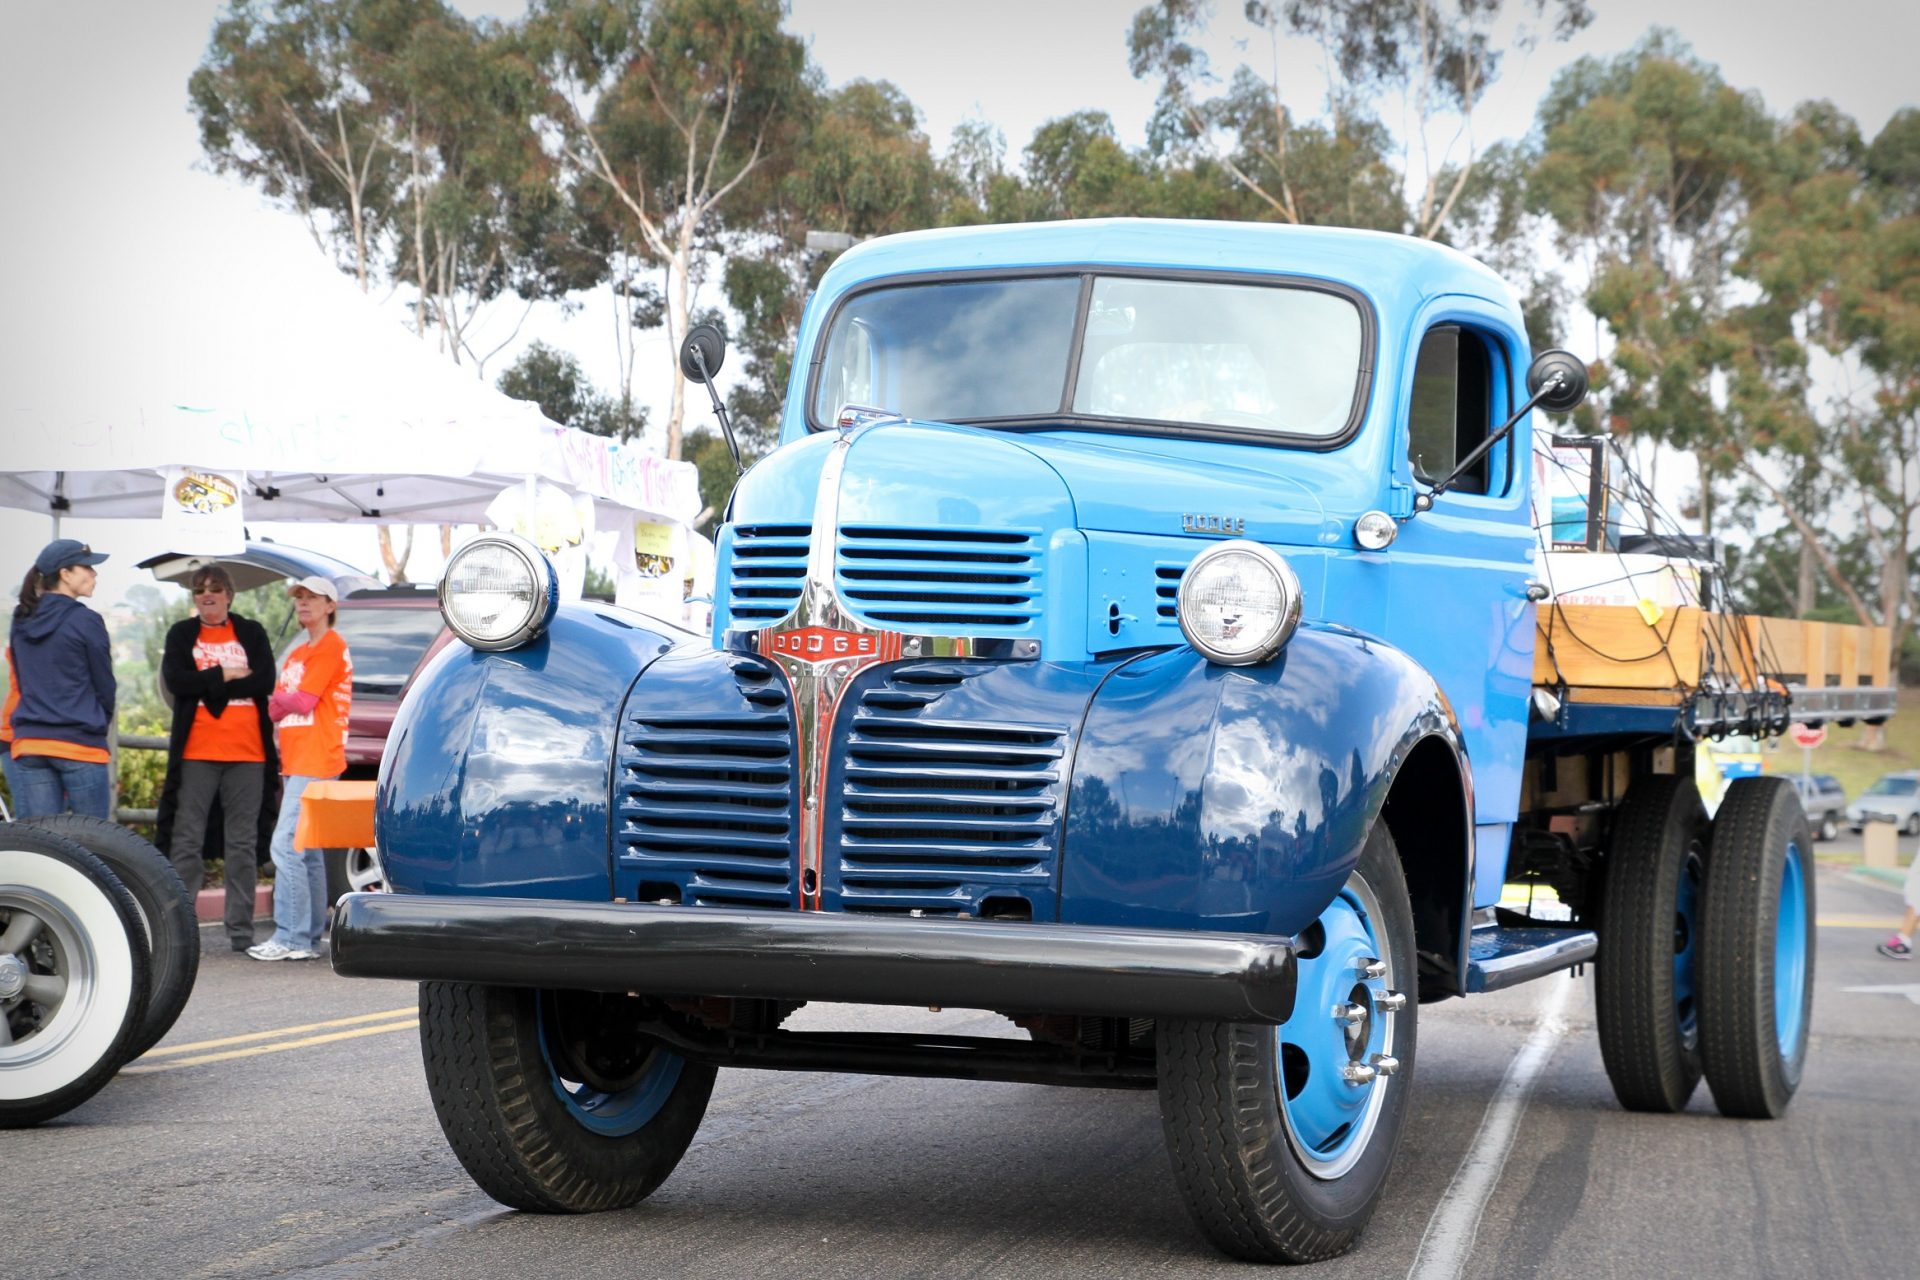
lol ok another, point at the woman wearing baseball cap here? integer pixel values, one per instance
(309, 705)
(64, 666)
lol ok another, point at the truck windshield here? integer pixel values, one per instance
(1275, 359)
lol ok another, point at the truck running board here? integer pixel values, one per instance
(1506, 955)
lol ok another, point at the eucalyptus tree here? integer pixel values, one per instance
(1340, 166)
(662, 111)
(1648, 168)
(1826, 360)
(284, 101)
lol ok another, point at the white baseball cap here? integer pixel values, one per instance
(319, 586)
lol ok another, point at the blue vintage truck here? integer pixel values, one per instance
(1139, 631)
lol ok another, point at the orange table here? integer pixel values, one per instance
(336, 815)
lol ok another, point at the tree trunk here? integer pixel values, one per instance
(1806, 591)
(396, 564)
(677, 318)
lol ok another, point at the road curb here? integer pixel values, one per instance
(211, 904)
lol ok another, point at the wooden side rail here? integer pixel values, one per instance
(1612, 646)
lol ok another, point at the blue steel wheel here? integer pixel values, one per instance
(1282, 1137)
(1757, 950)
(1646, 983)
(611, 1085)
(548, 1103)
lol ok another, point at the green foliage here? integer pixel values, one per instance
(707, 451)
(554, 380)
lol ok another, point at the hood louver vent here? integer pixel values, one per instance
(767, 570)
(1167, 589)
(933, 580)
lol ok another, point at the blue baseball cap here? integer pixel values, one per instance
(63, 552)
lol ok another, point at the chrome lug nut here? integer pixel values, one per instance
(1350, 1014)
(1370, 967)
(1390, 1001)
(1385, 1064)
(1359, 1073)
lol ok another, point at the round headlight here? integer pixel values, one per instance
(1238, 603)
(499, 592)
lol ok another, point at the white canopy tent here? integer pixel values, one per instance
(328, 407)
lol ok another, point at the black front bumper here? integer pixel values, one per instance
(705, 951)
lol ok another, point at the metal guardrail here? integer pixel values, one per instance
(130, 742)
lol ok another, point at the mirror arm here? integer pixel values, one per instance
(1424, 501)
(719, 411)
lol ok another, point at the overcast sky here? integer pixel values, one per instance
(98, 138)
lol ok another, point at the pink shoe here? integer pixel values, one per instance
(1894, 948)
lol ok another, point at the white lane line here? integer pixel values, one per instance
(1448, 1241)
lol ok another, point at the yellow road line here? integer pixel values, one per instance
(281, 1047)
(1856, 922)
(175, 1049)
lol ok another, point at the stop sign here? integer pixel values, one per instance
(1808, 735)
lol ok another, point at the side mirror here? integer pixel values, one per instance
(1546, 368)
(706, 347)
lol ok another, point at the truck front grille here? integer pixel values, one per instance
(705, 800)
(937, 814)
(980, 581)
(766, 572)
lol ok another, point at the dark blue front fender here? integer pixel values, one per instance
(1238, 798)
(496, 774)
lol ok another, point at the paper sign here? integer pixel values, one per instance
(200, 511)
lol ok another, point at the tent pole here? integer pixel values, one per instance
(59, 502)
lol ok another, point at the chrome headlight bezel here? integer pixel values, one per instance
(1276, 631)
(543, 589)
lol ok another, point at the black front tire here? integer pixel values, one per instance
(1757, 950)
(1645, 983)
(172, 934)
(1251, 1111)
(1829, 827)
(73, 974)
(494, 1089)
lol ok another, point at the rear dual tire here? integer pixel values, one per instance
(1646, 986)
(1756, 969)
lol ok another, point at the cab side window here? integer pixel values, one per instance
(1452, 406)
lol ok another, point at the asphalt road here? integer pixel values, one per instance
(283, 1128)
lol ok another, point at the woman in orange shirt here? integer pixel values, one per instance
(310, 706)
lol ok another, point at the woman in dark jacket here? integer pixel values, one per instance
(220, 756)
(64, 665)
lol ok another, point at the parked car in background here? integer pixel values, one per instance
(390, 631)
(1825, 801)
(1895, 798)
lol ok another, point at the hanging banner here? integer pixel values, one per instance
(647, 568)
(552, 519)
(200, 511)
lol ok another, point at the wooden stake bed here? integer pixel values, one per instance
(1618, 656)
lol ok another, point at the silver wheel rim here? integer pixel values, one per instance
(43, 937)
